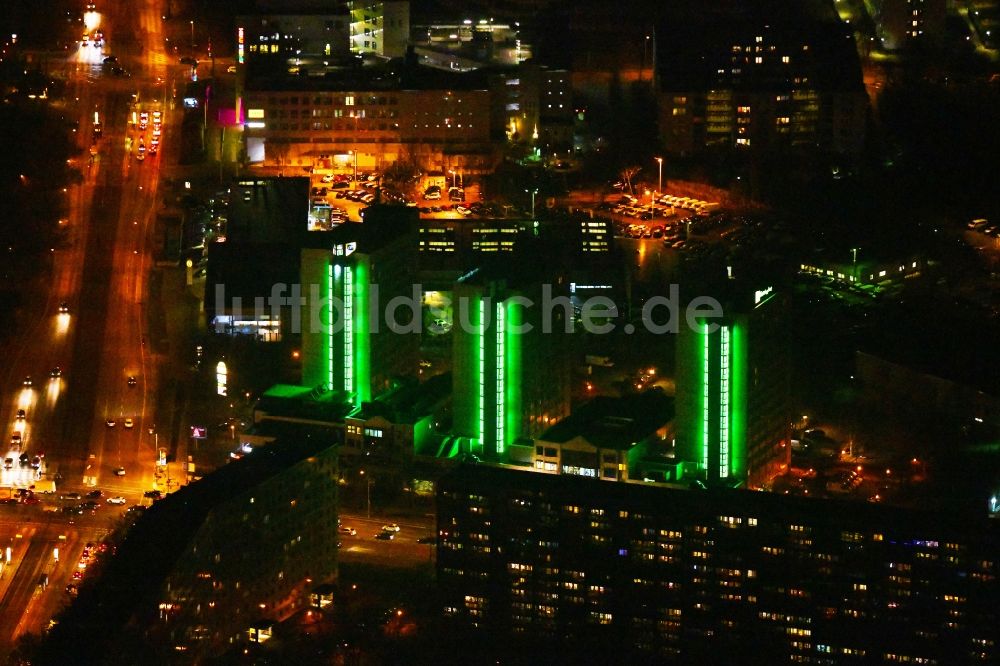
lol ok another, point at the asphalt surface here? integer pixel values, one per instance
(101, 272)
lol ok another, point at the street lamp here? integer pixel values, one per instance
(659, 189)
(355, 155)
(369, 492)
(533, 193)
(192, 33)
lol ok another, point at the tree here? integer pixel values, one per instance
(627, 175)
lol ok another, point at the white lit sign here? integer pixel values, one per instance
(762, 296)
(344, 250)
(221, 374)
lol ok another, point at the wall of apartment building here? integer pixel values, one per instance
(690, 121)
(712, 576)
(256, 555)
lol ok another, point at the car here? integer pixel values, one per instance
(119, 471)
(340, 185)
(111, 423)
(110, 59)
(135, 508)
(24, 460)
(72, 510)
(231, 69)
(129, 423)
(72, 589)
(64, 308)
(26, 381)
(8, 463)
(152, 494)
(391, 527)
(9, 500)
(77, 575)
(91, 7)
(117, 500)
(348, 530)
(76, 497)
(36, 462)
(90, 506)
(55, 373)
(385, 536)
(432, 196)
(188, 60)
(21, 415)
(15, 438)
(94, 494)
(328, 178)
(132, 381)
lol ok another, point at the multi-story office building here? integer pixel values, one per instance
(733, 388)
(282, 36)
(751, 83)
(202, 566)
(468, 45)
(510, 358)
(350, 344)
(371, 116)
(377, 27)
(265, 227)
(678, 575)
(533, 104)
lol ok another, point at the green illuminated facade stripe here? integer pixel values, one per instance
(348, 347)
(361, 340)
(330, 325)
(724, 403)
(512, 371)
(500, 360)
(481, 361)
(737, 420)
(705, 368)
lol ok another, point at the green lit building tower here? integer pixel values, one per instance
(347, 282)
(510, 367)
(733, 390)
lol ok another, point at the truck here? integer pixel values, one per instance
(47, 486)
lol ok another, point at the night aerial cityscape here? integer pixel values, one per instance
(500, 332)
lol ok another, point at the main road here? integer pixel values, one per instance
(99, 276)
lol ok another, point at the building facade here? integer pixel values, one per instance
(511, 368)
(733, 379)
(349, 345)
(674, 575)
(323, 124)
(751, 86)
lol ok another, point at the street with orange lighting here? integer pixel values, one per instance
(78, 389)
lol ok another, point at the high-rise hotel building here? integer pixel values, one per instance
(348, 345)
(510, 360)
(733, 389)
